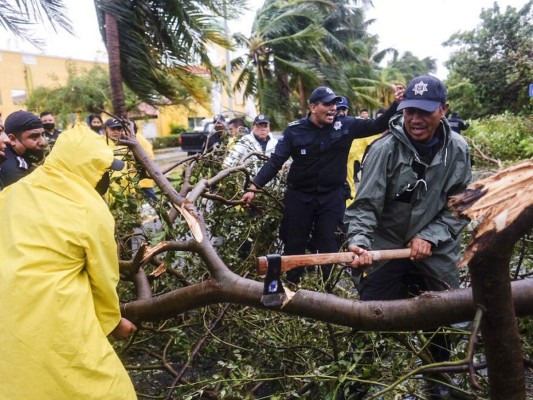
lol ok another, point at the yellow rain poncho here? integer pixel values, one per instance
(58, 277)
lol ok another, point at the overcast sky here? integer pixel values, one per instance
(418, 26)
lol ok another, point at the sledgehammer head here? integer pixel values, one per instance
(273, 291)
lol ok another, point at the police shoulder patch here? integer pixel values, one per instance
(297, 122)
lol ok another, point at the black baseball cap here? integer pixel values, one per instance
(219, 118)
(112, 123)
(323, 94)
(261, 119)
(424, 92)
(21, 121)
(343, 102)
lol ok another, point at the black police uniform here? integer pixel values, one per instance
(14, 167)
(51, 138)
(315, 198)
(457, 124)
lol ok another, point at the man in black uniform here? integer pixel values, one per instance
(27, 146)
(315, 200)
(457, 124)
(3, 142)
(49, 126)
(216, 137)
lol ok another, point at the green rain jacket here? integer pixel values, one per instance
(377, 220)
(58, 278)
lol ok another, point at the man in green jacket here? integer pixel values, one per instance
(403, 196)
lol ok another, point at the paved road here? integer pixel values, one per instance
(164, 158)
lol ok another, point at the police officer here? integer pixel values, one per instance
(314, 200)
(217, 136)
(457, 124)
(27, 144)
(49, 126)
(343, 107)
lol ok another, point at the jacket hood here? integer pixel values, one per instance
(82, 152)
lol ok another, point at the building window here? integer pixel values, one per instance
(18, 96)
(29, 59)
(196, 124)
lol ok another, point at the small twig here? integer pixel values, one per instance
(196, 349)
(471, 345)
(521, 258)
(483, 155)
(178, 163)
(334, 346)
(223, 200)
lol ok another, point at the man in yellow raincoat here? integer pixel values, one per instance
(58, 277)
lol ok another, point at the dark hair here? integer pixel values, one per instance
(45, 113)
(237, 121)
(93, 116)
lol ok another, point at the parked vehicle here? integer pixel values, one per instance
(193, 142)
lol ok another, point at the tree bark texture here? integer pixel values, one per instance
(115, 75)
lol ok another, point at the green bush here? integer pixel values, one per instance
(176, 129)
(504, 137)
(163, 142)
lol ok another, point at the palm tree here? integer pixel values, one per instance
(285, 35)
(411, 66)
(152, 45)
(370, 84)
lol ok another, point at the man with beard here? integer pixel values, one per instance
(315, 197)
(27, 144)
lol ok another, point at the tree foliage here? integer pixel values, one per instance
(235, 350)
(500, 140)
(160, 41)
(297, 45)
(85, 92)
(492, 70)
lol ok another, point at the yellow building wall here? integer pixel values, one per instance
(20, 73)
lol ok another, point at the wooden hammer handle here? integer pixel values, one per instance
(290, 262)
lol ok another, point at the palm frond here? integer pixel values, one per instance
(21, 17)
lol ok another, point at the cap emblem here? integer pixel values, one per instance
(420, 88)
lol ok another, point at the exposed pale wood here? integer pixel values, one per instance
(496, 202)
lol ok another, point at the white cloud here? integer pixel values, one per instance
(421, 26)
(418, 26)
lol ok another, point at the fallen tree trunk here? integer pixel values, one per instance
(503, 204)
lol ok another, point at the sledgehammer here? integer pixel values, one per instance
(273, 264)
